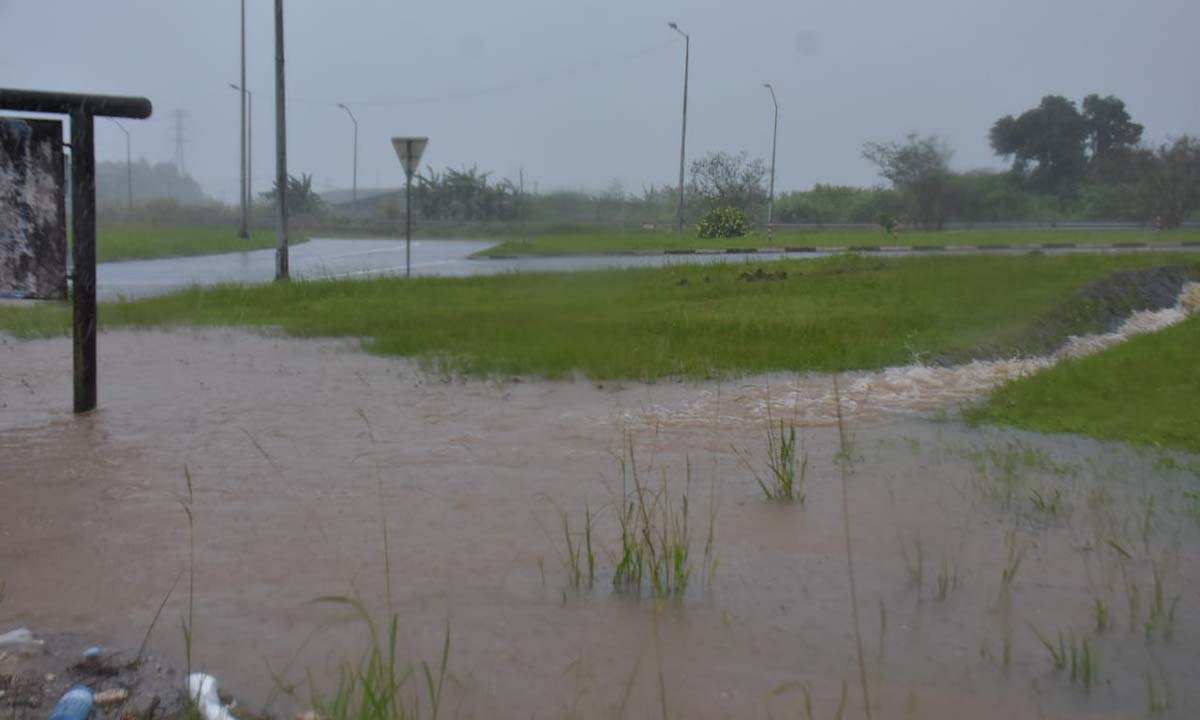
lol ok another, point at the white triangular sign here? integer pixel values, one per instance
(409, 150)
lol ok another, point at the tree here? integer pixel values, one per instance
(720, 179)
(1053, 137)
(301, 198)
(465, 194)
(919, 168)
(1110, 128)
(1168, 187)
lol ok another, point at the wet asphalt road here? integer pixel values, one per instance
(348, 258)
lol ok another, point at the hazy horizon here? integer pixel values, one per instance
(589, 96)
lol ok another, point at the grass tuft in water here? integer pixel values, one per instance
(786, 469)
(1047, 503)
(656, 538)
(914, 564)
(1071, 653)
(1101, 611)
(379, 686)
(579, 557)
(946, 580)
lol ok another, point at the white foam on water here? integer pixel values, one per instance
(916, 388)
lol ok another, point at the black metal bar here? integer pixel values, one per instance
(71, 103)
(83, 228)
(408, 219)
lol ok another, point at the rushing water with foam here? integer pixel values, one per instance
(915, 388)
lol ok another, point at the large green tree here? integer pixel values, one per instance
(1110, 129)
(1047, 144)
(919, 168)
(1055, 146)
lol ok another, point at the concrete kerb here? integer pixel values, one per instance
(837, 249)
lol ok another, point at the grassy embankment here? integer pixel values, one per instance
(1146, 391)
(135, 242)
(595, 241)
(829, 314)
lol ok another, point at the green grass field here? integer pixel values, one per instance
(694, 320)
(593, 241)
(136, 242)
(1146, 391)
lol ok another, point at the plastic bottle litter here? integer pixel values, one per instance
(203, 690)
(75, 704)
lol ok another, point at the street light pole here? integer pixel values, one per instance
(354, 190)
(242, 232)
(687, 49)
(774, 139)
(281, 174)
(128, 166)
(248, 162)
(249, 154)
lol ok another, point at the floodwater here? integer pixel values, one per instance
(348, 258)
(302, 452)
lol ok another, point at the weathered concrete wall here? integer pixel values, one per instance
(33, 216)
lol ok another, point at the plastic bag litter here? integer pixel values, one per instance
(203, 690)
(20, 637)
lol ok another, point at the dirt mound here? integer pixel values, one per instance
(1099, 307)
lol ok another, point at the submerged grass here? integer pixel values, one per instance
(828, 315)
(1146, 391)
(381, 686)
(786, 468)
(585, 240)
(655, 537)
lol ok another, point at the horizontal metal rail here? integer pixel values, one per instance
(72, 103)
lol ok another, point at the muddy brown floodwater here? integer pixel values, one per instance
(965, 541)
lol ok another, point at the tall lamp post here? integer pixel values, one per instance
(774, 139)
(354, 190)
(128, 165)
(281, 174)
(243, 232)
(248, 169)
(687, 48)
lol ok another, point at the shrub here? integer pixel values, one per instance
(723, 222)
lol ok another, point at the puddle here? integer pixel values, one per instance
(299, 451)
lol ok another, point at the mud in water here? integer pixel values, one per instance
(965, 541)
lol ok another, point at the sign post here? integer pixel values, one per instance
(82, 109)
(409, 150)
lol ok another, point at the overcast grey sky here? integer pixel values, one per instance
(585, 93)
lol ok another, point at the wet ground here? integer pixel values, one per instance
(967, 543)
(332, 257)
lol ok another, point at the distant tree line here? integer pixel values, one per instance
(1066, 162)
(160, 181)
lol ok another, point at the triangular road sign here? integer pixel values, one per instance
(409, 150)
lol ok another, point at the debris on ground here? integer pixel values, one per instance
(203, 688)
(760, 274)
(36, 671)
